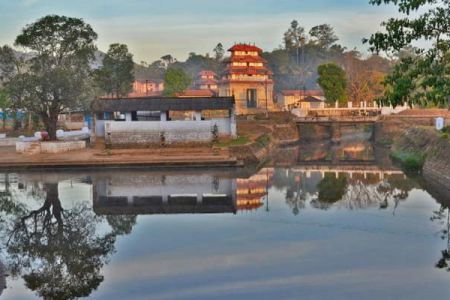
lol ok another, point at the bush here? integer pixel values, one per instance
(410, 161)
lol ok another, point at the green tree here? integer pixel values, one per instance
(294, 36)
(5, 105)
(116, 76)
(175, 81)
(332, 80)
(323, 35)
(422, 78)
(168, 60)
(219, 52)
(58, 75)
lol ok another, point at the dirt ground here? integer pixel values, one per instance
(96, 155)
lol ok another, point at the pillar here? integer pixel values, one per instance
(198, 115)
(163, 116)
(128, 117)
(233, 127)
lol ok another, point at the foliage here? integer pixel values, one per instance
(364, 76)
(421, 78)
(5, 105)
(331, 189)
(57, 76)
(294, 36)
(116, 76)
(332, 80)
(175, 81)
(121, 224)
(410, 161)
(324, 35)
(219, 52)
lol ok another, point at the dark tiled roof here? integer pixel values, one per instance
(162, 103)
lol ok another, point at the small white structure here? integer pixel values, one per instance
(159, 120)
(440, 123)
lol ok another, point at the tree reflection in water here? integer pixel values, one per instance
(59, 252)
(356, 191)
(442, 216)
(331, 189)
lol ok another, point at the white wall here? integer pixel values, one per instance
(140, 132)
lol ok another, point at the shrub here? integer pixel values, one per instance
(410, 161)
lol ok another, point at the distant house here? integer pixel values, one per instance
(290, 99)
(248, 79)
(147, 88)
(206, 80)
(163, 120)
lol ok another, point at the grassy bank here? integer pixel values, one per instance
(409, 161)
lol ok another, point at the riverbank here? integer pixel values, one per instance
(433, 148)
(257, 138)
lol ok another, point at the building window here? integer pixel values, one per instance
(251, 98)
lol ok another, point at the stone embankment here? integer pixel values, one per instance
(264, 137)
(436, 150)
(390, 128)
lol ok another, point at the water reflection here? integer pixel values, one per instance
(59, 243)
(327, 153)
(163, 193)
(57, 251)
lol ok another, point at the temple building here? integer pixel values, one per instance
(248, 79)
(206, 80)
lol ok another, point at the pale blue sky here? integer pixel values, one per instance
(152, 28)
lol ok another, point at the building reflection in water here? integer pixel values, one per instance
(164, 193)
(179, 193)
(251, 192)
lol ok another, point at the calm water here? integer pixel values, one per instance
(318, 229)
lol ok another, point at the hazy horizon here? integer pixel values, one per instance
(178, 27)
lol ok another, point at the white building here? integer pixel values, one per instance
(163, 120)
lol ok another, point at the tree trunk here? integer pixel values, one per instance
(50, 121)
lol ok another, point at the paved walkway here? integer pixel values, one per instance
(96, 157)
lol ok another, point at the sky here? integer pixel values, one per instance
(153, 28)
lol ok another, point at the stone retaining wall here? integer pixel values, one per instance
(436, 150)
(31, 148)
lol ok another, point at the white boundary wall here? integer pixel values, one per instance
(49, 147)
(148, 132)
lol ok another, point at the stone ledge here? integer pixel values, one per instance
(32, 148)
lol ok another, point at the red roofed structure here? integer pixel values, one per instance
(206, 80)
(248, 79)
